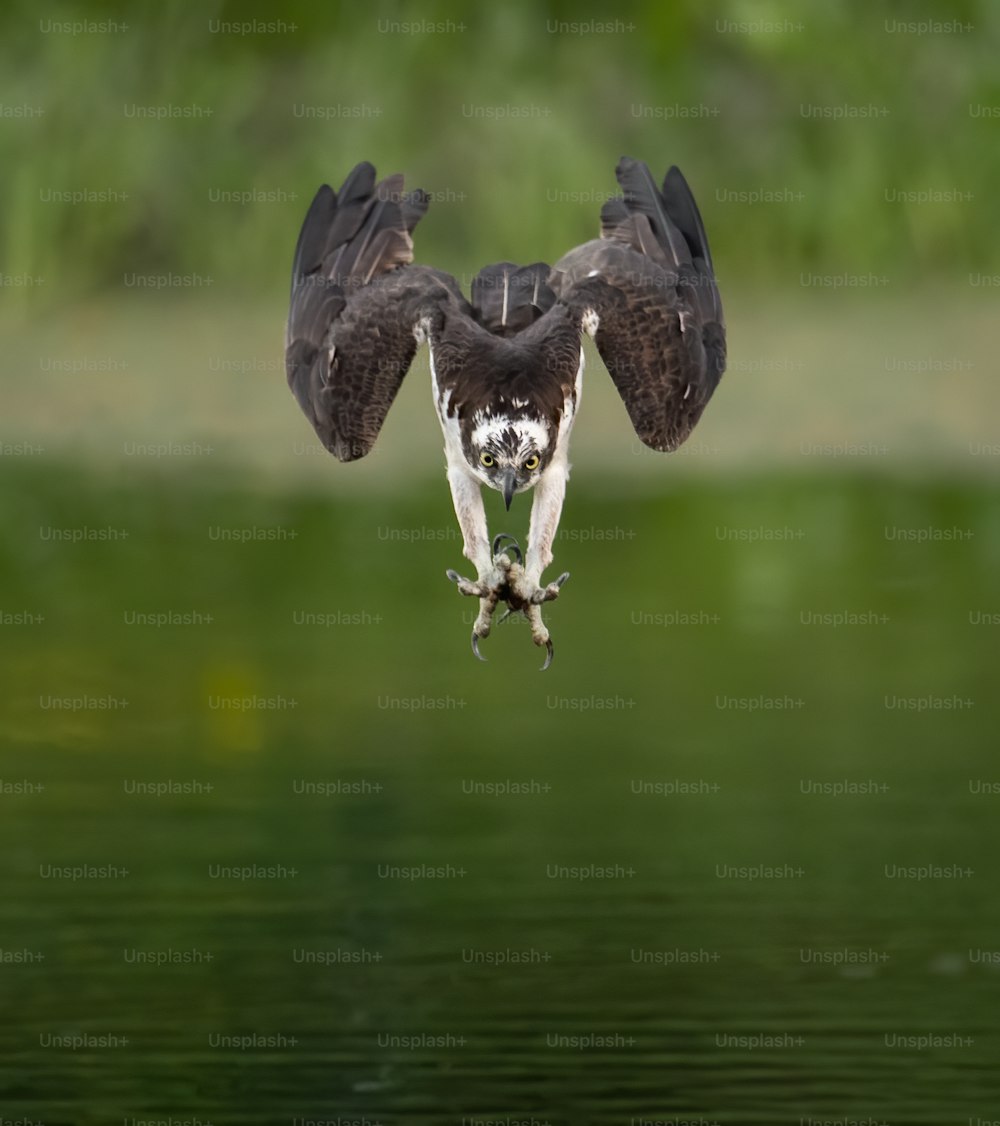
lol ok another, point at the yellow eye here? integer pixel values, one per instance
(486, 459)
(532, 463)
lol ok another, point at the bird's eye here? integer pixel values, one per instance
(532, 463)
(486, 459)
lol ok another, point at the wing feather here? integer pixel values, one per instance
(355, 303)
(642, 199)
(647, 293)
(507, 299)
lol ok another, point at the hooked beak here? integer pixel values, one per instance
(509, 484)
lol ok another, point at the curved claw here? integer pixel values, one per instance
(515, 547)
(454, 576)
(549, 652)
(475, 646)
(562, 578)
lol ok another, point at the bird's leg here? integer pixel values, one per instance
(526, 583)
(499, 576)
(491, 569)
(545, 513)
(467, 497)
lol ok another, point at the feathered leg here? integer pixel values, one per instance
(550, 492)
(491, 573)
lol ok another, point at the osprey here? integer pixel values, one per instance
(507, 366)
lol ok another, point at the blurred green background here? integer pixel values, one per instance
(277, 848)
(512, 118)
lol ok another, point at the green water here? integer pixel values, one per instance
(419, 943)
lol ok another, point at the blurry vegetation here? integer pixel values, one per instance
(514, 124)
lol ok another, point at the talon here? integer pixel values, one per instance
(475, 646)
(469, 587)
(550, 592)
(549, 651)
(506, 614)
(515, 547)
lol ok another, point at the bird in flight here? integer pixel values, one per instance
(507, 365)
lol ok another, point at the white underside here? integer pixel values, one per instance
(550, 489)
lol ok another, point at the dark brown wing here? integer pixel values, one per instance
(646, 291)
(355, 304)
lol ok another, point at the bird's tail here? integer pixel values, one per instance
(665, 225)
(508, 298)
(351, 236)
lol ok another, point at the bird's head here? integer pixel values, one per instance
(510, 455)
